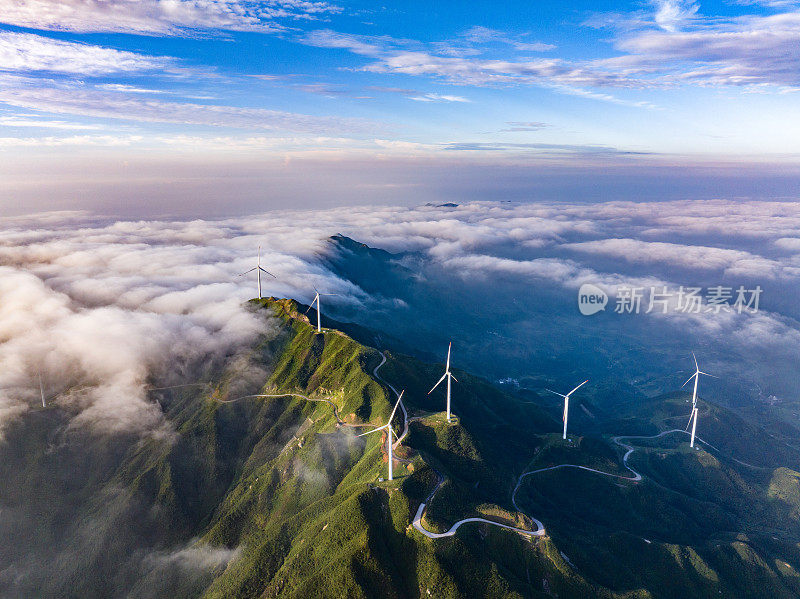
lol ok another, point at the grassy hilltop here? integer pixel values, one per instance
(297, 500)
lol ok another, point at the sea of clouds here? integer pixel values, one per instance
(103, 309)
(97, 313)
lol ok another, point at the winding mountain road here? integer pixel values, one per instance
(630, 449)
(637, 476)
(406, 420)
(438, 535)
(417, 522)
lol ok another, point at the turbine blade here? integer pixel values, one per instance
(447, 368)
(437, 383)
(374, 430)
(556, 392)
(247, 272)
(713, 376)
(399, 399)
(454, 378)
(578, 387)
(696, 367)
(266, 271)
(689, 379)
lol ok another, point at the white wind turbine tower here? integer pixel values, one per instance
(258, 270)
(693, 417)
(447, 375)
(566, 404)
(319, 311)
(41, 390)
(389, 433)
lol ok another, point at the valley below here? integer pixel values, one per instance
(264, 489)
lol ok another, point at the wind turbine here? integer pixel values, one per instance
(566, 404)
(693, 417)
(389, 432)
(447, 375)
(258, 270)
(319, 311)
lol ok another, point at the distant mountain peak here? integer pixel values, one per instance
(348, 243)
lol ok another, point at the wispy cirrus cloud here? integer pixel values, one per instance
(540, 148)
(670, 45)
(32, 94)
(328, 90)
(515, 126)
(409, 58)
(776, 4)
(160, 17)
(136, 89)
(33, 121)
(432, 97)
(419, 96)
(482, 35)
(27, 52)
(681, 46)
(106, 141)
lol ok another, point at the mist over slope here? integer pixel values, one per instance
(275, 495)
(500, 279)
(108, 319)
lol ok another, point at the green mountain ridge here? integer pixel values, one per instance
(278, 497)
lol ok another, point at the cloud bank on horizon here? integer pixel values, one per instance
(101, 309)
(698, 81)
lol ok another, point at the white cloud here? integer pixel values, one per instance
(431, 97)
(563, 272)
(76, 100)
(776, 4)
(27, 122)
(747, 50)
(159, 17)
(673, 46)
(97, 360)
(483, 71)
(791, 244)
(100, 307)
(727, 261)
(24, 52)
(672, 14)
(411, 58)
(71, 140)
(542, 149)
(134, 89)
(195, 556)
(442, 62)
(483, 35)
(514, 126)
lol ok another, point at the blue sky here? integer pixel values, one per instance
(602, 83)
